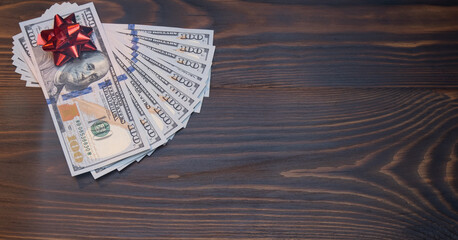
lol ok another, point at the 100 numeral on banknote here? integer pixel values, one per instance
(95, 122)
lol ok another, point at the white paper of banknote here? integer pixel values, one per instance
(179, 85)
(197, 51)
(21, 52)
(99, 172)
(196, 36)
(94, 120)
(191, 86)
(197, 60)
(165, 62)
(153, 61)
(180, 103)
(161, 115)
(155, 138)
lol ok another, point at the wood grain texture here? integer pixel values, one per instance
(327, 120)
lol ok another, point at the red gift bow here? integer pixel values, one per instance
(67, 39)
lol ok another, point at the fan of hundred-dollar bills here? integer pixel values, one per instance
(115, 105)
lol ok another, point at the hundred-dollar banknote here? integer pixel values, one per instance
(175, 66)
(196, 57)
(166, 120)
(196, 36)
(178, 102)
(192, 85)
(94, 119)
(184, 56)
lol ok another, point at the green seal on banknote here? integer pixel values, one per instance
(100, 129)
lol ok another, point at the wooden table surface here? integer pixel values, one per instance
(327, 120)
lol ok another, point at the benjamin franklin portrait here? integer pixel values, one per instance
(76, 74)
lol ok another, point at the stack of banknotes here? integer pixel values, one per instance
(114, 106)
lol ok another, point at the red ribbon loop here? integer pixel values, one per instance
(67, 39)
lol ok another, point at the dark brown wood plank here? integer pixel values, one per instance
(374, 163)
(300, 45)
(335, 120)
